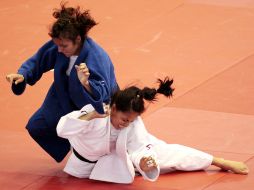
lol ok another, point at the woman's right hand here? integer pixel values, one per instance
(95, 114)
(16, 78)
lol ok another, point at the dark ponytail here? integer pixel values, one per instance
(132, 98)
(165, 87)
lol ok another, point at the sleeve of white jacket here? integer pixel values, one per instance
(138, 146)
(69, 124)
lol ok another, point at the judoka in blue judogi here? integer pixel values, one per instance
(69, 46)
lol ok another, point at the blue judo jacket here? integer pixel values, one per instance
(66, 93)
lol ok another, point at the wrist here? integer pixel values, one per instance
(86, 85)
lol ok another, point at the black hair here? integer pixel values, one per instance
(132, 98)
(71, 22)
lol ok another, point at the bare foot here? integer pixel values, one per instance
(234, 166)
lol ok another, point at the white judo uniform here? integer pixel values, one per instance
(118, 152)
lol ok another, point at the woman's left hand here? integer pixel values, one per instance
(147, 164)
(83, 73)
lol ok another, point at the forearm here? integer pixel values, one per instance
(70, 125)
(42, 61)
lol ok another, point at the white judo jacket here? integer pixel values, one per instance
(91, 139)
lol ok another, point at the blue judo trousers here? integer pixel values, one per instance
(66, 92)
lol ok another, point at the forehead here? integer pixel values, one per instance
(128, 115)
(62, 41)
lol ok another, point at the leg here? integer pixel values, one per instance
(233, 166)
(172, 157)
(178, 157)
(47, 138)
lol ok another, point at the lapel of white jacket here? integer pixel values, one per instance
(117, 166)
(121, 149)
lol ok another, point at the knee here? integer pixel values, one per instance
(31, 128)
(36, 127)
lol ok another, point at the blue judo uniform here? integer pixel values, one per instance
(66, 93)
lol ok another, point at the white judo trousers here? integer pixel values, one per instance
(91, 140)
(173, 157)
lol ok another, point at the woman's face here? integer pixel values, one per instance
(121, 119)
(67, 46)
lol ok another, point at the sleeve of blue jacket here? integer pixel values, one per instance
(33, 68)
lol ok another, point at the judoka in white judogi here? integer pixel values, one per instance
(118, 152)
